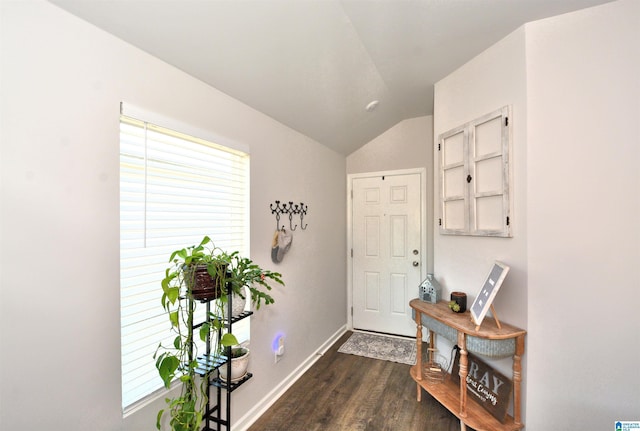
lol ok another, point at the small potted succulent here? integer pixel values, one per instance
(458, 303)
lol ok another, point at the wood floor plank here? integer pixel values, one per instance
(343, 392)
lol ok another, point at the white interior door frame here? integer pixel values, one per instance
(424, 223)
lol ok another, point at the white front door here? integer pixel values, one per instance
(387, 222)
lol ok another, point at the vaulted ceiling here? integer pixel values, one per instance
(315, 65)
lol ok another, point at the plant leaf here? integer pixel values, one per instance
(159, 418)
(204, 331)
(167, 369)
(173, 317)
(229, 340)
(173, 293)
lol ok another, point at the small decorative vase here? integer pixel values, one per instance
(460, 298)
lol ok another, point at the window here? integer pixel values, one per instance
(475, 177)
(174, 189)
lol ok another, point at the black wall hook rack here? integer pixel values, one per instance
(290, 210)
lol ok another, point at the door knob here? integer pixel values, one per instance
(416, 263)
(415, 252)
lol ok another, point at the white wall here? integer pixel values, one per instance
(406, 145)
(573, 83)
(583, 197)
(493, 79)
(62, 81)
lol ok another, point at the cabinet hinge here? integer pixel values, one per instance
(439, 222)
(351, 252)
(351, 311)
(508, 221)
(438, 147)
(506, 121)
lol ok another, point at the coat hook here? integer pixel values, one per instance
(290, 209)
(277, 211)
(303, 212)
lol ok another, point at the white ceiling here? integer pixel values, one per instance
(315, 64)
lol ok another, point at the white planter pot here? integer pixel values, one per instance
(239, 367)
(237, 306)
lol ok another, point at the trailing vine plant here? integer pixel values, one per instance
(177, 362)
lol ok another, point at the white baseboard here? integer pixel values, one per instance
(252, 415)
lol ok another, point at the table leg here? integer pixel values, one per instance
(419, 345)
(464, 360)
(432, 347)
(517, 379)
(418, 354)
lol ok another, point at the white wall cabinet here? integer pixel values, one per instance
(475, 177)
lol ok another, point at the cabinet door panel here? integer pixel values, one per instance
(489, 176)
(475, 177)
(489, 213)
(488, 137)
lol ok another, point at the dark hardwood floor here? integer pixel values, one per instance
(352, 393)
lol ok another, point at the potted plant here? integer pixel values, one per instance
(458, 303)
(201, 273)
(201, 270)
(239, 364)
(244, 273)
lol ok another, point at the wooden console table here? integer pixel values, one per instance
(489, 340)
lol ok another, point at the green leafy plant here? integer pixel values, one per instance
(230, 273)
(244, 272)
(238, 352)
(454, 306)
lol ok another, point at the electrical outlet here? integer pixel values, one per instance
(279, 351)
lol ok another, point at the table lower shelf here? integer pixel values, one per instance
(447, 393)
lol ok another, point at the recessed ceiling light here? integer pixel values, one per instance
(372, 106)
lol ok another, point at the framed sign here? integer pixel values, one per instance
(486, 385)
(490, 288)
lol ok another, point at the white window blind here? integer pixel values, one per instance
(174, 190)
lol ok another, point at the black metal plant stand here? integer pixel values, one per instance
(209, 368)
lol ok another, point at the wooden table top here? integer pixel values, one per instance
(464, 323)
